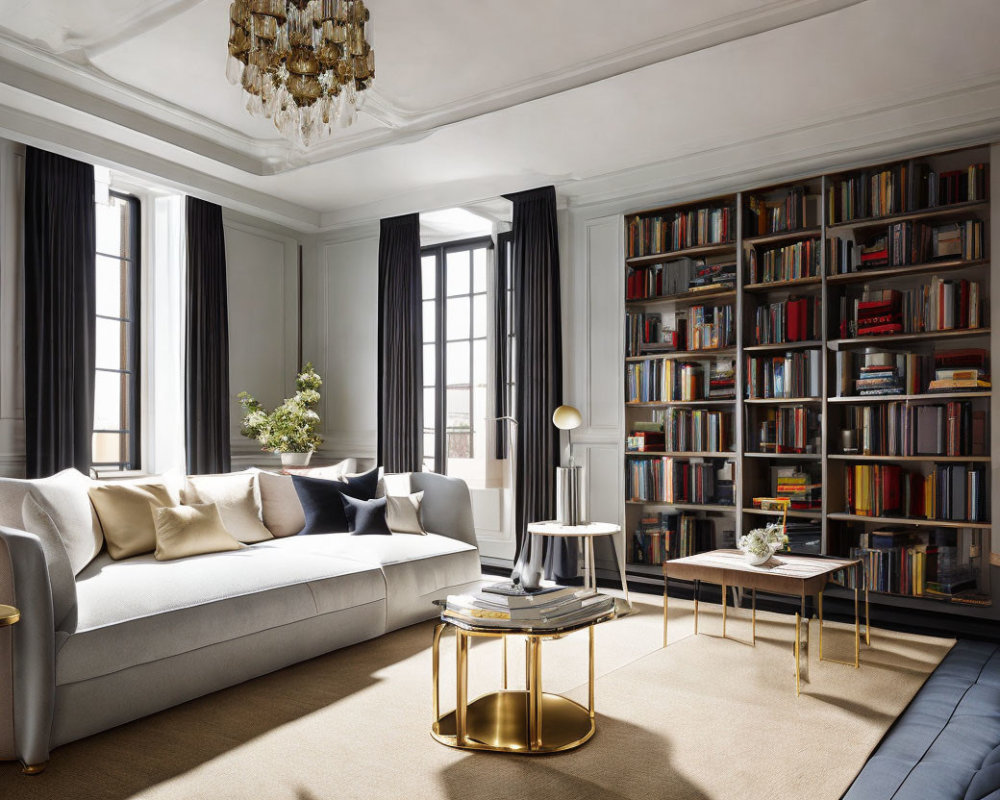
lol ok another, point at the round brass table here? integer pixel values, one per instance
(526, 721)
(8, 615)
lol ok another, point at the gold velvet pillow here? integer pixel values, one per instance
(191, 530)
(126, 514)
(402, 513)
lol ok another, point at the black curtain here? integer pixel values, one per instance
(59, 307)
(538, 375)
(206, 366)
(400, 345)
(501, 344)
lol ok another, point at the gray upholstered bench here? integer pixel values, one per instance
(946, 745)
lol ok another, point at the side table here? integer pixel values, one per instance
(587, 532)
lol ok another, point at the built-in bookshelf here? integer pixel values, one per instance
(825, 340)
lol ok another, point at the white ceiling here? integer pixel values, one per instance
(474, 99)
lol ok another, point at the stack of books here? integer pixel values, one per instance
(713, 276)
(722, 381)
(882, 377)
(800, 488)
(504, 605)
(960, 371)
(880, 315)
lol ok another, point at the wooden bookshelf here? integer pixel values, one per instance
(683, 453)
(824, 414)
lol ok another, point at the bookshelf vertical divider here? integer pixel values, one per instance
(761, 244)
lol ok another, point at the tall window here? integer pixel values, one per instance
(456, 359)
(116, 386)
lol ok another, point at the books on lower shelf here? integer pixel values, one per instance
(800, 485)
(667, 535)
(881, 372)
(955, 428)
(797, 373)
(784, 263)
(785, 429)
(559, 607)
(667, 479)
(918, 564)
(796, 319)
(955, 492)
(709, 327)
(665, 380)
(677, 277)
(939, 305)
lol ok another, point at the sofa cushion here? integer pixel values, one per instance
(125, 511)
(418, 569)
(141, 610)
(238, 498)
(402, 513)
(61, 578)
(321, 503)
(64, 498)
(365, 517)
(280, 505)
(194, 530)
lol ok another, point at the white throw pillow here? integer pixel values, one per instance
(65, 499)
(237, 496)
(402, 513)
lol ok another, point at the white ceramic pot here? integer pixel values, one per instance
(295, 459)
(755, 559)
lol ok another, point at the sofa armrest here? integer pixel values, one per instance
(31, 679)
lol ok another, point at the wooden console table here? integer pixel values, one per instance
(782, 574)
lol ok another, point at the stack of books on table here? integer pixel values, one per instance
(504, 605)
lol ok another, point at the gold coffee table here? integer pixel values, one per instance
(526, 721)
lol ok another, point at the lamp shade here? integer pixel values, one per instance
(566, 418)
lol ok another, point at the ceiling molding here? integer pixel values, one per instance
(85, 88)
(75, 143)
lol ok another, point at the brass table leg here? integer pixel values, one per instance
(819, 600)
(591, 672)
(534, 693)
(697, 591)
(857, 629)
(461, 686)
(753, 616)
(868, 620)
(798, 619)
(504, 640)
(666, 583)
(436, 669)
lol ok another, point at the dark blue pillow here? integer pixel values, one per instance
(321, 503)
(365, 516)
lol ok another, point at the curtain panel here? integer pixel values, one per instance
(60, 254)
(206, 369)
(538, 376)
(400, 345)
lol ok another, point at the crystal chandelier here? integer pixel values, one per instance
(305, 64)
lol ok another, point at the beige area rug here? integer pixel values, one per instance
(703, 718)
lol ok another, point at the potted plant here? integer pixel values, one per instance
(292, 429)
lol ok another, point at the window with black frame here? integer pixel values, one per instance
(116, 386)
(456, 360)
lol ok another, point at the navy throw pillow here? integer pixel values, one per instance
(321, 503)
(365, 516)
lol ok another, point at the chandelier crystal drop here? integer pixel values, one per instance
(304, 64)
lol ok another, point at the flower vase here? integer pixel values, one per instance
(755, 560)
(295, 459)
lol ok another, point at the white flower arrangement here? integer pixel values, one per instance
(762, 542)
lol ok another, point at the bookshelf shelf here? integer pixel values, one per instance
(778, 401)
(912, 459)
(684, 453)
(691, 355)
(684, 298)
(688, 252)
(901, 338)
(924, 523)
(783, 236)
(793, 513)
(928, 213)
(685, 506)
(812, 282)
(782, 346)
(890, 273)
(813, 307)
(785, 456)
(669, 403)
(929, 397)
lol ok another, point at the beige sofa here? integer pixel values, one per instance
(112, 641)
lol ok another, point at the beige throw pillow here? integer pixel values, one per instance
(237, 497)
(402, 513)
(280, 504)
(190, 530)
(126, 514)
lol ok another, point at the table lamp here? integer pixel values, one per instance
(570, 505)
